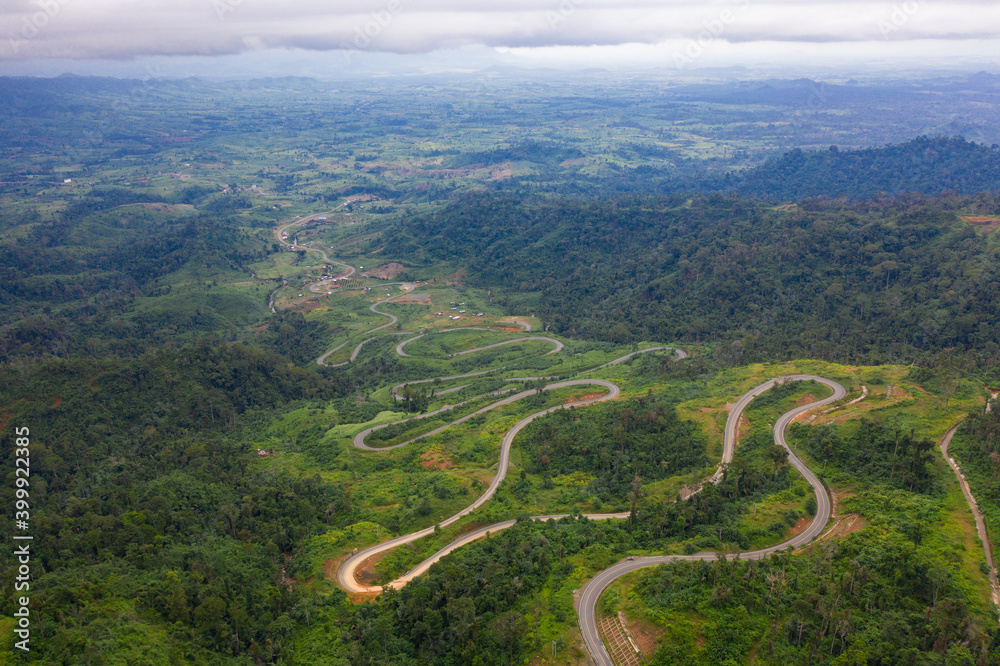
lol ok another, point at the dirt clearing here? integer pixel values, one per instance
(646, 634)
(365, 574)
(387, 271)
(585, 396)
(802, 523)
(414, 299)
(306, 305)
(847, 524)
(434, 459)
(518, 320)
(840, 526)
(988, 223)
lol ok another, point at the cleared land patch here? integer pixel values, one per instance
(387, 271)
(987, 223)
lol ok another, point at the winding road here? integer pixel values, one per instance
(374, 308)
(558, 345)
(591, 592)
(346, 574)
(322, 252)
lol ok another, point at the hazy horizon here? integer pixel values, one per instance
(238, 39)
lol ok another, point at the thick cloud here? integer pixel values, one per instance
(31, 29)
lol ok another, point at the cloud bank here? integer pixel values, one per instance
(124, 29)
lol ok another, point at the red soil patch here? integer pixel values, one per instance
(835, 498)
(365, 574)
(801, 525)
(508, 329)
(844, 525)
(840, 525)
(56, 401)
(585, 396)
(518, 320)
(435, 460)
(330, 568)
(646, 634)
(853, 523)
(806, 399)
(743, 428)
(261, 328)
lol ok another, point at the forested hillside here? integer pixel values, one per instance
(926, 165)
(900, 279)
(147, 502)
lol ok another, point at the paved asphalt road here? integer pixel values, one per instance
(346, 573)
(592, 591)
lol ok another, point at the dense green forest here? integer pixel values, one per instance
(145, 499)
(642, 438)
(895, 279)
(926, 165)
(874, 599)
(875, 452)
(148, 504)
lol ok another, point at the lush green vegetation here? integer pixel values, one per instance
(899, 591)
(470, 609)
(925, 165)
(880, 596)
(895, 279)
(147, 501)
(874, 452)
(976, 447)
(142, 252)
(642, 438)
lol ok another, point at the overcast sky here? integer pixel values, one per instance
(678, 32)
